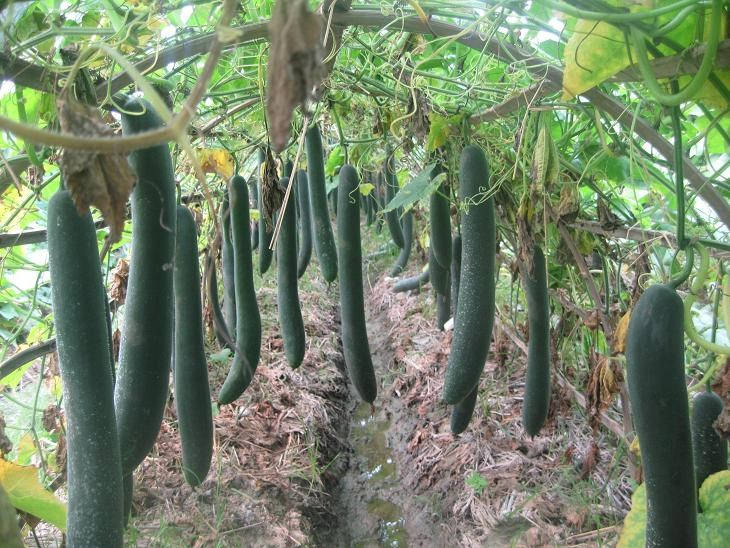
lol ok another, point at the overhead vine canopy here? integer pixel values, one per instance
(426, 74)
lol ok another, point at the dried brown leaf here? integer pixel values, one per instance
(722, 423)
(295, 65)
(590, 461)
(102, 180)
(569, 205)
(52, 418)
(592, 320)
(271, 194)
(622, 328)
(120, 276)
(605, 382)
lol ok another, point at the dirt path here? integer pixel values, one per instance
(372, 507)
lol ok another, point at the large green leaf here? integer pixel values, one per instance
(421, 186)
(27, 494)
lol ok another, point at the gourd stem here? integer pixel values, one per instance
(698, 80)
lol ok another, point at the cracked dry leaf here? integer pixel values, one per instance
(101, 180)
(295, 65)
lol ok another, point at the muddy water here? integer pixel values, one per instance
(370, 447)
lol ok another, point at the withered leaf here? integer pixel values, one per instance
(722, 423)
(102, 180)
(569, 205)
(295, 65)
(118, 287)
(419, 124)
(605, 382)
(622, 328)
(271, 194)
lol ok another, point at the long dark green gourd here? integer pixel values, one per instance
(305, 223)
(290, 312)
(369, 213)
(333, 201)
(391, 189)
(475, 314)
(536, 404)
(248, 324)
(455, 271)
(192, 392)
(229, 290)
(708, 448)
(443, 308)
(95, 496)
(378, 199)
(658, 394)
(255, 199)
(352, 303)
(462, 412)
(414, 282)
(440, 225)
(222, 335)
(439, 274)
(405, 252)
(128, 490)
(324, 240)
(145, 351)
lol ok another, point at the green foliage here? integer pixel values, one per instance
(335, 160)
(420, 187)
(442, 129)
(713, 523)
(27, 494)
(476, 481)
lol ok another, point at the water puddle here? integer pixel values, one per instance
(369, 442)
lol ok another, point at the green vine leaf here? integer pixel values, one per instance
(335, 161)
(441, 129)
(421, 186)
(366, 188)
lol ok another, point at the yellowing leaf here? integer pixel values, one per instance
(25, 449)
(216, 160)
(619, 338)
(708, 93)
(594, 52)
(713, 523)
(27, 494)
(441, 128)
(366, 188)
(634, 532)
